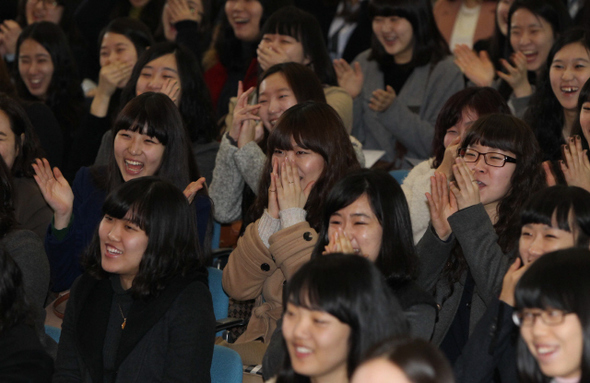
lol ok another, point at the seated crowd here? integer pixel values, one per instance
(403, 188)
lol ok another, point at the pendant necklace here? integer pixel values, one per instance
(123, 316)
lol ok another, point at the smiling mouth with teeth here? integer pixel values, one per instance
(569, 89)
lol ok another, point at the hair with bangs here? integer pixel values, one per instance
(28, 146)
(511, 134)
(134, 30)
(558, 280)
(317, 127)
(397, 258)
(305, 28)
(351, 289)
(482, 101)
(161, 210)
(569, 205)
(195, 102)
(429, 45)
(420, 360)
(306, 86)
(155, 115)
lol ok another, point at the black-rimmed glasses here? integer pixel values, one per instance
(527, 317)
(494, 159)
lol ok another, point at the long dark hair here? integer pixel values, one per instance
(569, 205)
(317, 127)
(429, 45)
(397, 258)
(7, 218)
(305, 28)
(136, 31)
(156, 115)
(480, 100)
(195, 103)
(351, 289)
(557, 280)
(161, 210)
(582, 98)
(545, 114)
(64, 94)
(14, 308)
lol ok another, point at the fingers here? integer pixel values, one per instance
(549, 176)
(341, 67)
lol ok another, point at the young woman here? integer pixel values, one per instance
(532, 28)
(473, 236)
(452, 123)
(232, 57)
(172, 69)
(337, 307)
(554, 218)
(404, 361)
(241, 157)
(308, 151)
(400, 84)
(21, 355)
(148, 139)
(122, 42)
(553, 108)
(19, 147)
(553, 318)
(47, 73)
(142, 310)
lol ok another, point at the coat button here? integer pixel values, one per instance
(307, 236)
(265, 267)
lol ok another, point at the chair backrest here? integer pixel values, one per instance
(53, 332)
(399, 175)
(220, 298)
(226, 366)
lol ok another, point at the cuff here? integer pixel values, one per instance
(267, 226)
(292, 216)
(61, 233)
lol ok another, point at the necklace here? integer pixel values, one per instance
(123, 316)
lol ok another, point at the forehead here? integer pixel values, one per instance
(574, 51)
(165, 62)
(30, 46)
(523, 17)
(274, 82)
(360, 205)
(486, 149)
(112, 38)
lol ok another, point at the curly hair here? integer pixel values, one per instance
(161, 210)
(317, 127)
(545, 114)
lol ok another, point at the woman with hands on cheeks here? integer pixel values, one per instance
(452, 123)
(472, 240)
(401, 83)
(308, 151)
(148, 139)
(554, 218)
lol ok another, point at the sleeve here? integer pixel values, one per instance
(191, 326)
(490, 346)
(433, 254)
(519, 105)
(341, 101)
(250, 161)
(421, 318)
(416, 131)
(479, 242)
(292, 247)
(67, 368)
(203, 209)
(248, 266)
(415, 185)
(64, 255)
(227, 184)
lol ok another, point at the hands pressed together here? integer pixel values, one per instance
(246, 124)
(575, 165)
(285, 188)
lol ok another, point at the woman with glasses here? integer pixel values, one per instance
(554, 317)
(473, 234)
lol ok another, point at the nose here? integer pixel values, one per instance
(155, 84)
(525, 38)
(568, 73)
(300, 328)
(538, 327)
(115, 232)
(273, 106)
(135, 146)
(536, 246)
(387, 26)
(290, 156)
(238, 5)
(480, 164)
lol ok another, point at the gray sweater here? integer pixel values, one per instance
(475, 233)
(411, 117)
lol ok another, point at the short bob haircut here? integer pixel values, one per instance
(508, 133)
(397, 259)
(303, 82)
(64, 94)
(161, 210)
(195, 102)
(134, 30)
(482, 101)
(570, 205)
(155, 115)
(351, 289)
(29, 148)
(545, 114)
(558, 280)
(305, 28)
(419, 360)
(429, 45)
(317, 127)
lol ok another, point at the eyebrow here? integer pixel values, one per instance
(164, 68)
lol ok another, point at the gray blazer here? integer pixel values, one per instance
(475, 233)
(411, 117)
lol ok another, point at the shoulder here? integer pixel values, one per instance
(332, 91)
(17, 239)
(446, 66)
(363, 57)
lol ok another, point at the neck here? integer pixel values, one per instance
(339, 375)
(569, 119)
(492, 210)
(126, 281)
